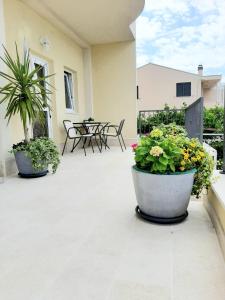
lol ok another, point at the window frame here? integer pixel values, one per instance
(183, 88)
(71, 90)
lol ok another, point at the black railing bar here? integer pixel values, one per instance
(213, 134)
(160, 110)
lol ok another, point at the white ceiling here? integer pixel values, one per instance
(91, 21)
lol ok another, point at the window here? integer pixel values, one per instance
(183, 89)
(138, 92)
(69, 91)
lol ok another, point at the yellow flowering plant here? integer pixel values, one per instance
(168, 150)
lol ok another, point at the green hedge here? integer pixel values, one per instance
(213, 119)
(213, 123)
(166, 116)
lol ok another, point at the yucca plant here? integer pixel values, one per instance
(24, 91)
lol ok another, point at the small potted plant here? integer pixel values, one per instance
(27, 96)
(169, 168)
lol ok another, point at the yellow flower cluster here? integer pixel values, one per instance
(156, 151)
(155, 133)
(193, 145)
(188, 156)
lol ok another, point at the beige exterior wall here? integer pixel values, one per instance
(23, 24)
(157, 86)
(213, 96)
(106, 74)
(114, 83)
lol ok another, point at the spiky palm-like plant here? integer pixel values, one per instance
(24, 91)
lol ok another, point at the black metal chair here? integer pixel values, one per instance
(94, 129)
(74, 132)
(117, 132)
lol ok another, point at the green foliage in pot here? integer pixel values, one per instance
(27, 94)
(172, 129)
(167, 150)
(42, 152)
(24, 91)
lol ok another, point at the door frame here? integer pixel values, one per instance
(45, 65)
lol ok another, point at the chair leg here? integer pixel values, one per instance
(92, 145)
(102, 141)
(75, 145)
(64, 145)
(120, 143)
(84, 141)
(99, 148)
(106, 145)
(123, 141)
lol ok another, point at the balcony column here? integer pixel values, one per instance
(88, 82)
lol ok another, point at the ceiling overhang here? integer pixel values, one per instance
(210, 81)
(91, 22)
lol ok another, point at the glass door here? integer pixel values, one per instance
(42, 125)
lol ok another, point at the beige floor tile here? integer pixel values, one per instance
(75, 236)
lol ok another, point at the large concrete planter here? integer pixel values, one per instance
(163, 198)
(25, 167)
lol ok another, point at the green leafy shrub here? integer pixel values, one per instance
(166, 116)
(42, 152)
(217, 144)
(172, 129)
(167, 149)
(213, 118)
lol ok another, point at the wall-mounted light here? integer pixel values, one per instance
(44, 41)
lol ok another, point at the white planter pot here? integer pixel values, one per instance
(163, 196)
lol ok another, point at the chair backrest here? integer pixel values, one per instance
(121, 126)
(92, 127)
(70, 130)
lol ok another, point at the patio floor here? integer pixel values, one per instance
(75, 236)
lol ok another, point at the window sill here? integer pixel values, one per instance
(183, 96)
(71, 112)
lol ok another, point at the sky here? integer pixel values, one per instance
(183, 34)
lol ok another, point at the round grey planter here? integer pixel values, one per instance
(25, 167)
(163, 196)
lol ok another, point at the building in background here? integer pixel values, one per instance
(90, 47)
(160, 85)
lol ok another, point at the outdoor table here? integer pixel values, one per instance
(95, 128)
